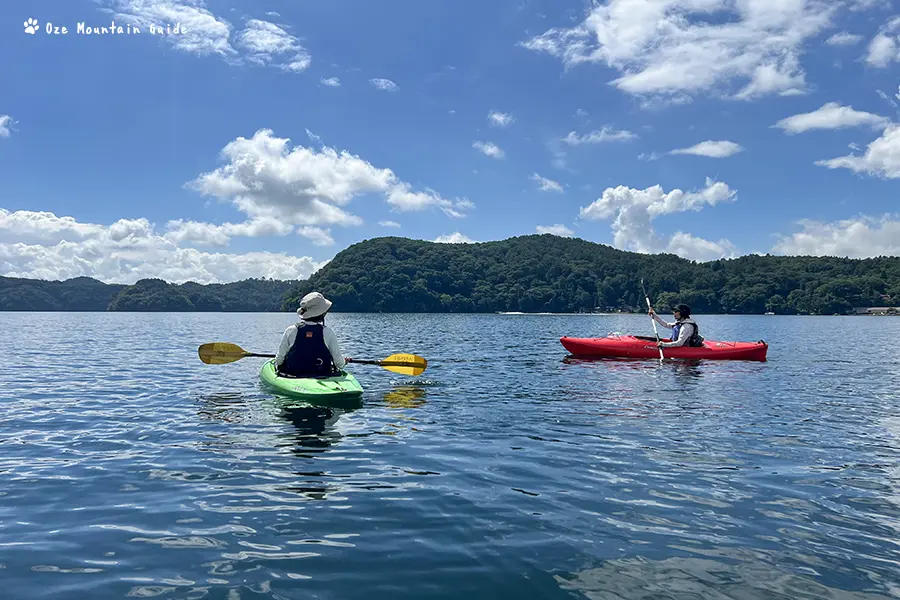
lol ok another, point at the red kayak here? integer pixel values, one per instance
(635, 346)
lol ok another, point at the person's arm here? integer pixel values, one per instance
(287, 340)
(661, 322)
(683, 335)
(334, 347)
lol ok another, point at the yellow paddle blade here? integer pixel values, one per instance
(405, 364)
(220, 353)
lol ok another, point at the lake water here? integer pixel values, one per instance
(128, 468)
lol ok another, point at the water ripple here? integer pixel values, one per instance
(507, 470)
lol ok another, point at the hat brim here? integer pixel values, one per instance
(318, 311)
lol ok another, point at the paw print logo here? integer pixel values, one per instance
(31, 26)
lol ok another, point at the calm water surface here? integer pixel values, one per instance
(130, 469)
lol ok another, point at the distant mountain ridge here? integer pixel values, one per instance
(533, 273)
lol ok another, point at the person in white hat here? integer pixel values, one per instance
(309, 348)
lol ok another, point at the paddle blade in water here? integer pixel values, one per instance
(405, 364)
(220, 353)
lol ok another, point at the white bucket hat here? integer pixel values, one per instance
(313, 305)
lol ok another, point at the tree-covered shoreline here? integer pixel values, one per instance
(534, 273)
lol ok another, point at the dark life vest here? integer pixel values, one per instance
(695, 341)
(308, 356)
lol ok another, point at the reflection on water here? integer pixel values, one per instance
(682, 366)
(405, 396)
(225, 407)
(744, 577)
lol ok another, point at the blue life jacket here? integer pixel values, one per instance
(308, 356)
(695, 341)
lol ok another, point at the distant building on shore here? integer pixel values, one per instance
(877, 310)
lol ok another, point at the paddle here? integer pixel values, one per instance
(220, 353)
(652, 320)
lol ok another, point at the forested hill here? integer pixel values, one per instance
(534, 273)
(86, 294)
(546, 273)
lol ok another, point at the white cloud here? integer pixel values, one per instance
(265, 179)
(887, 98)
(384, 84)
(560, 230)
(204, 34)
(500, 119)
(831, 115)
(649, 156)
(695, 248)
(403, 198)
(844, 38)
(272, 13)
(607, 134)
(885, 46)
(861, 5)
(860, 237)
(317, 235)
(45, 246)
(634, 210)
(260, 42)
(671, 48)
(453, 238)
(489, 149)
(882, 157)
(265, 43)
(210, 234)
(44, 227)
(5, 120)
(546, 185)
(389, 223)
(711, 149)
(331, 82)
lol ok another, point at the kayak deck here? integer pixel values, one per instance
(343, 385)
(630, 346)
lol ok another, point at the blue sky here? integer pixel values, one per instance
(268, 136)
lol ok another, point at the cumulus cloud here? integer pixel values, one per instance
(453, 238)
(267, 180)
(5, 120)
(634, 210)
(46, 246)
(711, 149)
(546, 185)
(881, 159)
(673, 48)
(331, 82)
(384, 84)
(859, 237)
(606, 134)
(844, 38)
(500, 119)
(259, 42)
(489, 149)
(389, 223)
(558, 229)
(831, 115)
(885, 46)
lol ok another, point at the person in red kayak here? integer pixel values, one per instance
(309, 348)
(685, 332)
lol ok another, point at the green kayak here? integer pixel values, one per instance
(340, 386)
